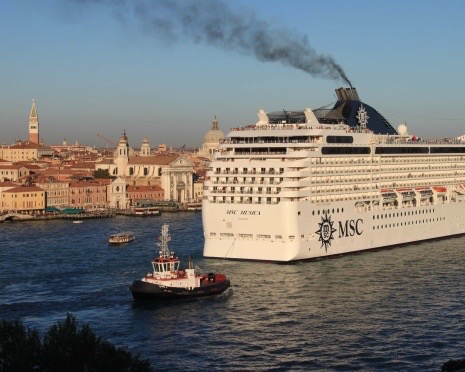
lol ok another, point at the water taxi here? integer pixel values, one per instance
(121, 238)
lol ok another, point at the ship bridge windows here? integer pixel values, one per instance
(447, 150)
(340, 139)
(345, 150)
(402, 150)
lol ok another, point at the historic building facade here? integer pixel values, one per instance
(23, 199)
(56, 192)
(24, 151)
(88, 194)
(173, 173)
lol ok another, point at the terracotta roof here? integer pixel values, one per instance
(8, 184)
(201, 172)
(104, 181)
(85, 184)
(144, 188)
(24, 189)
(11, 166)
(83, 166)
(153, 160)
(29, 145)
(105, 161)
(49, 171)
(30, 165)
(42, 178)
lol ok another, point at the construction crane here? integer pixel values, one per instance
(106, 139)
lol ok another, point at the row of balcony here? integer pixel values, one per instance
(226, 171)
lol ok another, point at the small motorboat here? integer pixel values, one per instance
(121, 238)
(168, 282)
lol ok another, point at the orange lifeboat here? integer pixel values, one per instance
(440, 189)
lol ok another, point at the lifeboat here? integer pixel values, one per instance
(388, 195)
(440, 189)
(407, 194)
(425, 192)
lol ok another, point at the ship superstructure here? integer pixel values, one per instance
(305, 184)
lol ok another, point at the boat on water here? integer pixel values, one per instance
(121, 238)
(194, 206)
(77, 221)
(168, 282)
(306, 184)
(146, 211)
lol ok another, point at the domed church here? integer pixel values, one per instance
(211, 140)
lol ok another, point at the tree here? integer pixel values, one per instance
(102, 173)
(64, 348)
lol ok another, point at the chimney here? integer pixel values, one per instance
(347, 94)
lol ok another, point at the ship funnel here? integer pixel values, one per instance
(263, 118)
(347, 94)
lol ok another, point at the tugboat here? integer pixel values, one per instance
(168, 282)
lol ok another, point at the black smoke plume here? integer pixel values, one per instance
(212, 22)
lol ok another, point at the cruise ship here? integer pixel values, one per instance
(307, 184)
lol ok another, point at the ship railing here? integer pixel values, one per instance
(388, 139)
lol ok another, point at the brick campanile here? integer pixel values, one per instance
(34, 124)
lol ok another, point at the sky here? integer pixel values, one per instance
(161, 69)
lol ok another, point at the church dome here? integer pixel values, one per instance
(214, 135)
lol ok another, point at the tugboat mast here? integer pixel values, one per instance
(164, 239)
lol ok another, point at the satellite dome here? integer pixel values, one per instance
(402, 129)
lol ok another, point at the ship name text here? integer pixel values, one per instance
(242, 212)
(350, 228)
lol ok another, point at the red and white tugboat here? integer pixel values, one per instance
(168, 282)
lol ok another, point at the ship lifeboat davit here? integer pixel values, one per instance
(425, 192)
(407, 194)
(388, 195)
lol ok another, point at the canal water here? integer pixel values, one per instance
(396, 309)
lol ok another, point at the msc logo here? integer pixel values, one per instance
(346, 229)
(326, 231)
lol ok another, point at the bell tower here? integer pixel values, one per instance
(145, 148)
(34, 124)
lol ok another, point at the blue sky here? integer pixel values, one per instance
(93, 67)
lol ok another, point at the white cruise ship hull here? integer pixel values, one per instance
(292, 188)
(287, 236)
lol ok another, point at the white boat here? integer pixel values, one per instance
(77, 221)
(121, 238)
(315, 183)
(194, 206)
(146, 211)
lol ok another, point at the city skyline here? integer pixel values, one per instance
(92, 68)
